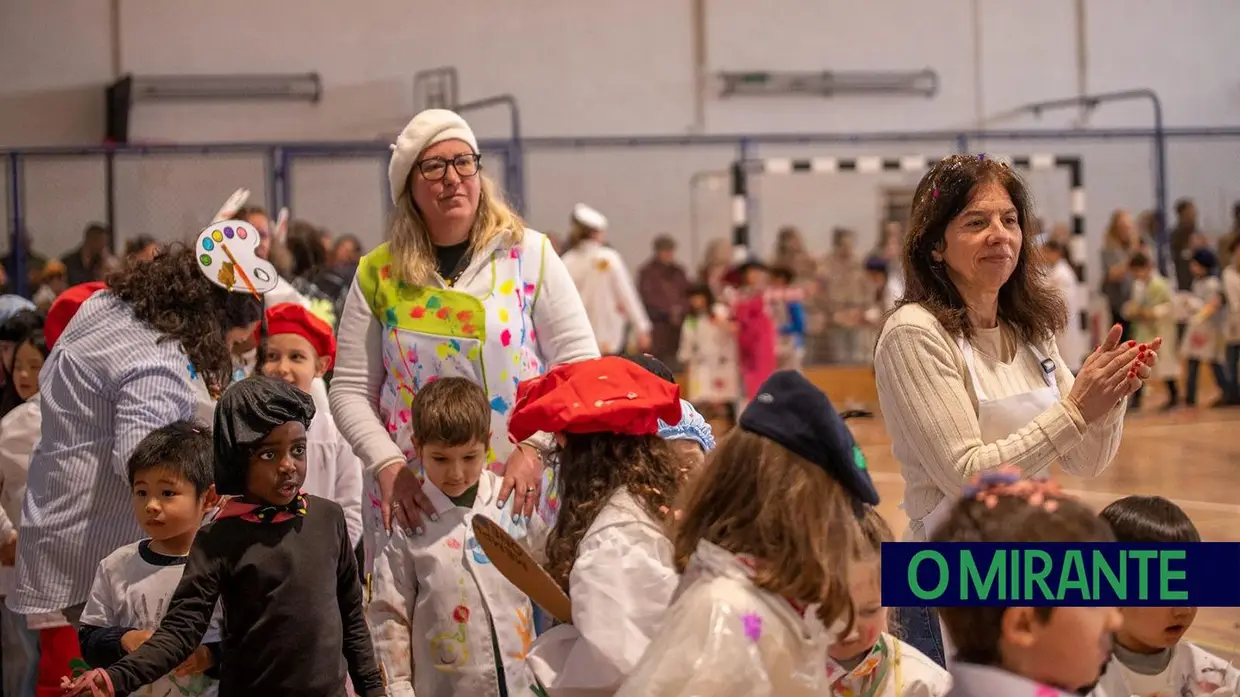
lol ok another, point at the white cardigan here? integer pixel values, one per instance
(564, 336)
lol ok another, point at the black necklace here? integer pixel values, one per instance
(458, 270)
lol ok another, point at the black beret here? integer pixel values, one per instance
(789, 410)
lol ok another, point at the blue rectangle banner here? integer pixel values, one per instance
(925, 574)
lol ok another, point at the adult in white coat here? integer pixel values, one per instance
(1062, 277)
(606, 288)
(969, 375)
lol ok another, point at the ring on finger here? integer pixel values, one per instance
(530, 489)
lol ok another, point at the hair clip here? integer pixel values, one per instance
(934, 191)
(981, 156)
(988, 486)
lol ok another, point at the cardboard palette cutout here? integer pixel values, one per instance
(511, 560)
(227, 254)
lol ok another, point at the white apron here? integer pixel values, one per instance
(997, 419)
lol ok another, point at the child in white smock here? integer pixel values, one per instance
(299, 349)
(1150, 655)
(609, 548)
(445, 621)
(869, 661)
(768, 531)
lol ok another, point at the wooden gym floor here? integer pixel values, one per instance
(1190, 456)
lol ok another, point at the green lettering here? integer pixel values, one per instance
(1072, 576)
(1038, 576)
(1144, 556)
(1102, 567)
(1014, 592)
(1166, 574)
(912, 574)
(971, 578)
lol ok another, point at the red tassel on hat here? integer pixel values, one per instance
(602, 395)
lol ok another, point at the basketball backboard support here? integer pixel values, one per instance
(435, 89)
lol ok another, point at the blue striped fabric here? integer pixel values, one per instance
(108, 382)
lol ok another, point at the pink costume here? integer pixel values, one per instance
(756, 338)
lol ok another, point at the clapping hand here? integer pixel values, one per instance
(1112, 373)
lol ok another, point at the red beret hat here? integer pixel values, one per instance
(601, 395)
(292, 318)
(65, 307)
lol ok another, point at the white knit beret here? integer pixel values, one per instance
(427, 128)
(588, 217)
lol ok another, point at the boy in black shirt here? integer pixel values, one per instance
(278, 560)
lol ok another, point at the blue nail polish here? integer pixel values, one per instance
(501, 504)
(516, 517)
(419, 531)
(434, 517)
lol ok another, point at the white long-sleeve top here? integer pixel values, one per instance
(19, 429)
(1071, 341)
(333, 471)
(931, 411)
(608, 293)
(560, 333)
(621, 584)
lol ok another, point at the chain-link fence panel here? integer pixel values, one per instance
(172, 197)
(61, 195)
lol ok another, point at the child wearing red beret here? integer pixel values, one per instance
(299, 348)
(609, 548)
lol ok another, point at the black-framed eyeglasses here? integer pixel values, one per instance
(436, 168)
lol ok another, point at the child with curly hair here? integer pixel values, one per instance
(608, 548)
(147, 351)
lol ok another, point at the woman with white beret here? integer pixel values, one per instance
(606, 288)
(460, 288)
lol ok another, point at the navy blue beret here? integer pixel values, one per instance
(789, 410)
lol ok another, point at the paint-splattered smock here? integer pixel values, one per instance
(512, 313)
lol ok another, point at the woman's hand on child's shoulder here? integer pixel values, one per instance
(8, 551)
(200, 661)
(131, 640)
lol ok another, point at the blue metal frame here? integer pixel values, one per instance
(281, 154)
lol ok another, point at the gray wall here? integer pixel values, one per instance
(590, 68)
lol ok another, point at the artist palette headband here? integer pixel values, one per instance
(227, 253)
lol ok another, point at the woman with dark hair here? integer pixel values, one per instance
(152, 348)
(969, 377)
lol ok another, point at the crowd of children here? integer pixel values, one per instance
(691, 570)
(756, 572)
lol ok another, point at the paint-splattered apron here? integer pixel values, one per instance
(431, 332)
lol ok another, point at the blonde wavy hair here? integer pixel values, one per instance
(409, 241)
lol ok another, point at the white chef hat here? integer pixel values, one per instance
(427, 128)
(589, 218)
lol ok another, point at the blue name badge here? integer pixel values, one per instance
(928, 574)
